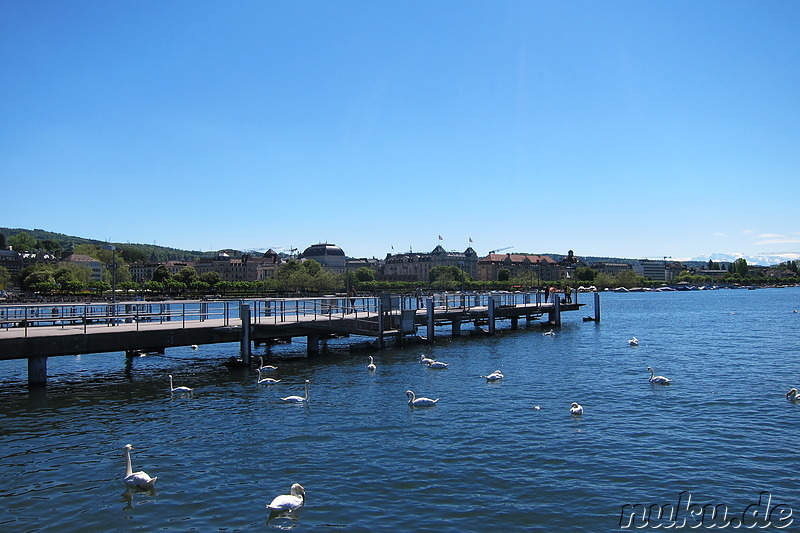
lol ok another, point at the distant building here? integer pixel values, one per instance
(89, 262)
(417, 266)
(518, 265)
(330, 256)
(11, 261)
(655, 270)
(611, 268)
(143, 272)
(244, 268)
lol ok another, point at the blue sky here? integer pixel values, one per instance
(629, 129)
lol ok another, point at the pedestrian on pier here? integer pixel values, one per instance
(419, 294)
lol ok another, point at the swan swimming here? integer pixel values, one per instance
(551, 333)
(259, 379)
(658, 379)
(139, 479)
(413, 401)
(793, 395)
(576, 409)
(494, 376)
(262, 366)
(289, 502)
(437, 364)
(185, 390)
(297, 399)
(371, 366)
(424, 360)
(633, 342)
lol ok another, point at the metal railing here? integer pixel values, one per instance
(263, 310)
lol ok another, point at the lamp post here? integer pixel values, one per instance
(113, 271)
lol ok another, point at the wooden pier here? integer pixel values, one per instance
(36, 332)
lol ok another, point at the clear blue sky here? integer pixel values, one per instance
(617, 128)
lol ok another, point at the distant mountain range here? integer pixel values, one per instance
(766, 259)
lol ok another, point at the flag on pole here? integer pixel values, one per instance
(440, 238)
(470, 239)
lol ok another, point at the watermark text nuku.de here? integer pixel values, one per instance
(763, 513)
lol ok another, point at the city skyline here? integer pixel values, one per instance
(659, 129)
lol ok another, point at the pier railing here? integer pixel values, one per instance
(141, 314)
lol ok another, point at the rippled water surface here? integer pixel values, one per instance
(482, 459)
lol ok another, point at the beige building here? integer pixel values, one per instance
(142, 272)
(541, 266)
(89, 262)
(417, 266)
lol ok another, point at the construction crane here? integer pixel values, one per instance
(500, 249)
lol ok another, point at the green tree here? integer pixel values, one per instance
(740, 267)
(187, 275)
(37, 278)
(503, 274)
(447, 273)
(211, 278)
(22, 242)
(173, 286)
(5, 276)
(50, 246)
(311, 267)
(3, 244)
(161, 274)
(365, 274)
(585, 274)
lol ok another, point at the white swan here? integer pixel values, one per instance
(494, 376)
(259, 379)
(657, 379)
(551, 333)
(262, 366)
(633, 342)
(136, 479)
(413, 401)
(289, 502)
(297, 399)
(793, 395)
(424, 360)
(194, 346)
(185, 390)
(371, 366)
(576, 409)
(437, 364)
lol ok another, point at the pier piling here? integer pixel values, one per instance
(37, 371)
(244, 313)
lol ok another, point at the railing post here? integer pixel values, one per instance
(490, 310)
(429, 313)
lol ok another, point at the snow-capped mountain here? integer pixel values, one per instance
(764, 259)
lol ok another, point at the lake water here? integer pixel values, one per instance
(482, 459)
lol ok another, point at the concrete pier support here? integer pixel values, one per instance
(312, 345)
(429, 310)
(456, 329)
(491, 310)
(37, 371)
(244, 314)
(514, 322)
(597, 307)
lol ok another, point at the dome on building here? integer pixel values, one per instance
(322, 250)
(328, 255)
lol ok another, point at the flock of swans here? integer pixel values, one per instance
(288, 503)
